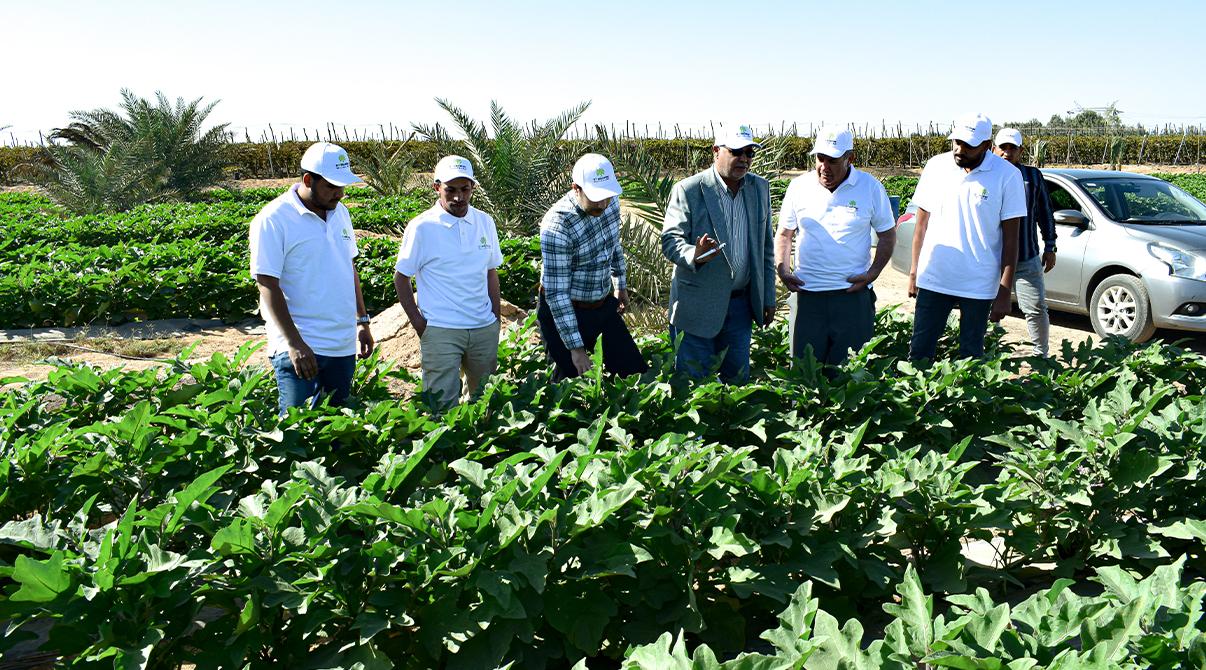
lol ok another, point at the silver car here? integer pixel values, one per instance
(1131, 252)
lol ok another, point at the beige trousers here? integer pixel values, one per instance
(449, 352)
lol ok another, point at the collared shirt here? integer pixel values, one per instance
(737, 221)
(450, 258)
(1038, 215)
(961, 253)
(582, 259)
(835, 227)
(312, 259)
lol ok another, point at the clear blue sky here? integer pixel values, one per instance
(371, 62)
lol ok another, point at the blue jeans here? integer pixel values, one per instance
(929, 322)
(334, 380)
(697, 356)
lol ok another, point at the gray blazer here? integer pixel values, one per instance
(699, 297)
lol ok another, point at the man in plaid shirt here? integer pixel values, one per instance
(583, 290)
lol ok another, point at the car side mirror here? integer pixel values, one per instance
(1071, 217)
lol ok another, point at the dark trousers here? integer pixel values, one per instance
(727, 353)
(620, 353)
(334, 380)
(929, 321)
(833, 323)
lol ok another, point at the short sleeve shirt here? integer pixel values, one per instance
(835, 227)
(961, 253)
(449, 257)
(312, 259)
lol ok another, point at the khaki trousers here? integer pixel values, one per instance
(449, 352)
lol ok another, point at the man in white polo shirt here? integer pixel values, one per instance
(836, 209)
(302, 246)
(970, 203)
(452, 251)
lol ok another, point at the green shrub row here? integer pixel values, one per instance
(182, 260)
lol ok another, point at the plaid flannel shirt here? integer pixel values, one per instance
(582, 255)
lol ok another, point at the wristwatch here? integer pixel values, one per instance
(363, 320)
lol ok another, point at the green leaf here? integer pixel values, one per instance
(237, 538)
(41, 581)
(915, 613)
(198, 491)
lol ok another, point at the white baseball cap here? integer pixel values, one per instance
(330, 162)
(1008, 136)
(454, 167)
(974, 129)
(833, 142)
(738, 137)
(596, 177)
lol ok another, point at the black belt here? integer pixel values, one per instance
(740, 293)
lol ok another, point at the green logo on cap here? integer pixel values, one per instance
(853, 205)
(343, 158)
(462, 164)
(600, 172)
(745, 130)
(831, 137)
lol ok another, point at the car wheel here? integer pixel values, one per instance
(1120, 306)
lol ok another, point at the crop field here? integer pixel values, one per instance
(1005, 513)
(163, 517)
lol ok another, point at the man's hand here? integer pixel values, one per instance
(1002, 305)
(912, 285)
(702, 246)
(789, 279)
(1048, 261)
(303, 360)
(581, 360)
(420, 325)
(622, 297)
(859, 282)
(768, 315)
(365, 335)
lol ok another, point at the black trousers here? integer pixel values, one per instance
(620, 353)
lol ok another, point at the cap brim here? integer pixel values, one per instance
(597, 193)
(439, 179)
(342, 178)
(741, 144)
(829, 150)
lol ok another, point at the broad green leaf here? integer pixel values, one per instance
(915, 612)
(198, 491)
(41, 581)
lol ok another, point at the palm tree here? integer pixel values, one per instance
(522, 169)
(105, 160)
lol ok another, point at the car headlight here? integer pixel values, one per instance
(1180, 263)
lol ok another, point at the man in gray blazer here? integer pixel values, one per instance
(718, 234)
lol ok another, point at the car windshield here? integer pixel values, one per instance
(1149, 201)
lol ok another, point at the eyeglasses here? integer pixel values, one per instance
(748, 152)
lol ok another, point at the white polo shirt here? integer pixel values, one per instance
(449, 257)
(835, 228)
(961, 253)
(312, 259)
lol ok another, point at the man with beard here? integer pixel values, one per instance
(965, 245)
(453, 253)
(302, 246)
(718, 235)
(583, 282)
(836, 208)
